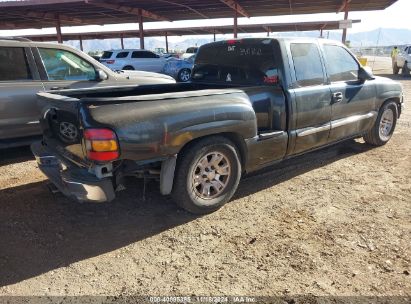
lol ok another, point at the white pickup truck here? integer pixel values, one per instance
(403, 61)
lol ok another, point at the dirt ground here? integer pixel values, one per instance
(332, 222)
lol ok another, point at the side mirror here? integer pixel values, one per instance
(365, 73)
(101, 75)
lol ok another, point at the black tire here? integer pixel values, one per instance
(187, 195)
(375, 136)
(405, 70)
(395, 69)
(182, 75)
(128, 68)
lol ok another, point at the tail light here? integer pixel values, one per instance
(110, 61)
(101, 144)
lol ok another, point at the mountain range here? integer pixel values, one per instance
(377, 37)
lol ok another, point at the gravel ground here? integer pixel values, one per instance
(332, 222)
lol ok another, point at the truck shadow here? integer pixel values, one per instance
(40, 232)
(15, 155)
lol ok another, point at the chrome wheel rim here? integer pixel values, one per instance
(184, 76)
(386, 124)
(211, 175)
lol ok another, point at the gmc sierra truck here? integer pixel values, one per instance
(251, 103)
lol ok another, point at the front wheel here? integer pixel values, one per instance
(384, 126)
(184, 75)
(207, 175)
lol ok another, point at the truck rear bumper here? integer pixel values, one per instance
(72, 181)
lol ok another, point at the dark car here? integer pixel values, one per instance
(251, 103)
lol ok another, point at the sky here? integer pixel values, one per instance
(395, 16)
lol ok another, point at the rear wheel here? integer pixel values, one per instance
(384, 126)
(207, 175)
(395, 68)
(128, 68)
(184, 75)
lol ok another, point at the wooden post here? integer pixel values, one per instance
(344, 35)
(81, 42)
(235, 21)
(141, 28)
(58, 29)
(166, 35)
(122, 41)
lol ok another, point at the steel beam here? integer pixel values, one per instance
(128, 9)
(237, 7)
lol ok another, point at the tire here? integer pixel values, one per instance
(184, 75)
(197, 178)
(128, 68)
(384, 126)
(405, 70)
(395, 69)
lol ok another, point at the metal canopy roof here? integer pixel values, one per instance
(44, 13)
(227, 29)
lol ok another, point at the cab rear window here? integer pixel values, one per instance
(238, 61)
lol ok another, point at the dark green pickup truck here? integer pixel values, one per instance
(251, 103)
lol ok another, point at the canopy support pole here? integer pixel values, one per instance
(166, 35)
(140, 28)
(344, 35)
(235, 21)
(58, 29)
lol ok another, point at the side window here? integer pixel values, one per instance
(144, 54)
(409, 50)
(341, 66)
(64, 65)
(122, 55)
(137, 54)
(13, 64)
(307, 64)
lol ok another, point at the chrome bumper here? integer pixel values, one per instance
(72, 181)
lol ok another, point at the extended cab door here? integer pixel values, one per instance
(312, 97)
(19, 83)
(353, 100)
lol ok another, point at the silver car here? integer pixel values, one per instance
(180, 69)
(28, 67)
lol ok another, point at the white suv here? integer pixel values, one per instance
(403, 61)
(133, 59)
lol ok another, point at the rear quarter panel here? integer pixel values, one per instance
(157, 128)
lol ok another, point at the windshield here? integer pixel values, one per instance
(238, 61)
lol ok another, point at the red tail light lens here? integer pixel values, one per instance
(110, 61)
(101, 144)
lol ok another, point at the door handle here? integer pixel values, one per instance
(337, 97)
